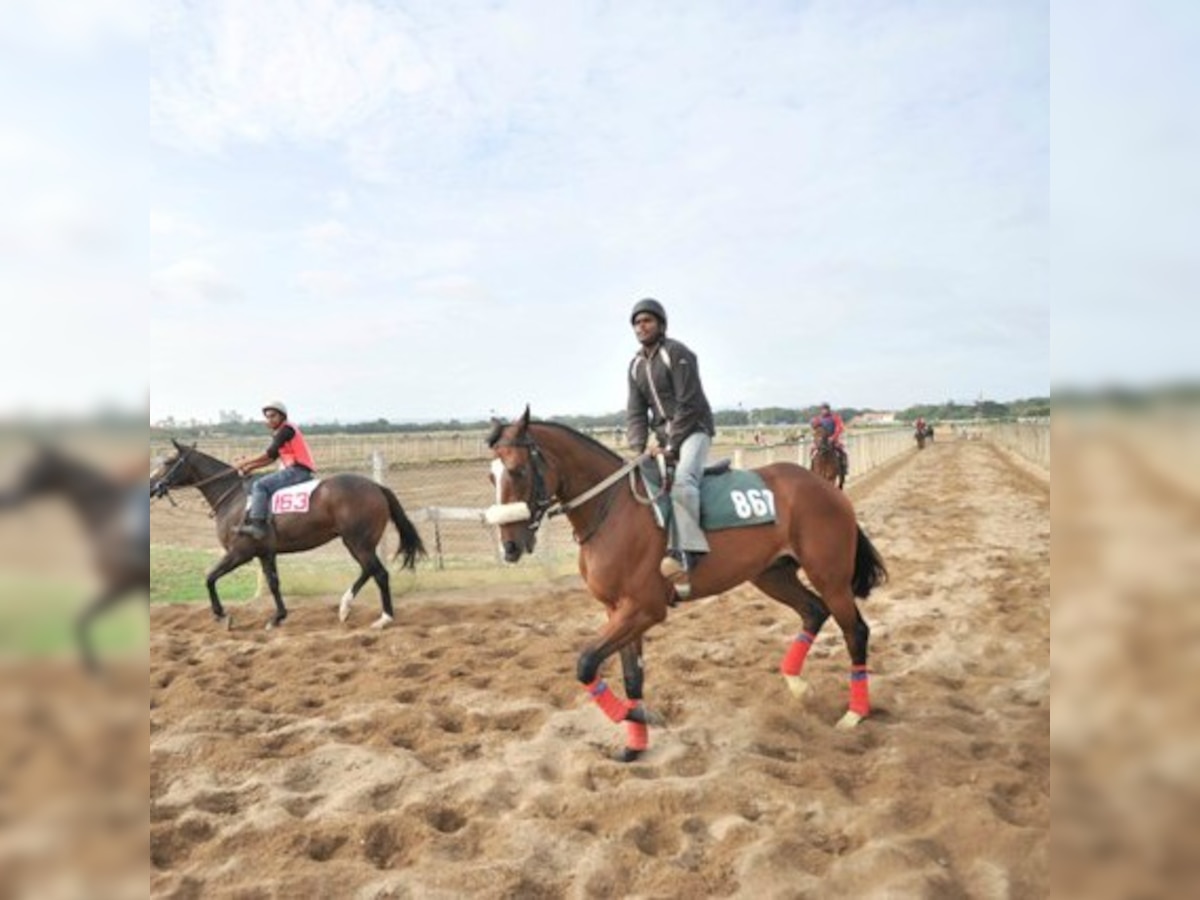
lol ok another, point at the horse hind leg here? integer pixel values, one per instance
(857, 634)
(780, 583)
(351, 593)
(372, 567)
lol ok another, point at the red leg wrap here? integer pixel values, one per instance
(610, 704)
(859, 698)
(637, 735)
(793, 660)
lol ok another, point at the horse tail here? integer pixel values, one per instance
(869, 570)
(411, 544)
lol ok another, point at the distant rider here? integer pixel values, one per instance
(831, 423)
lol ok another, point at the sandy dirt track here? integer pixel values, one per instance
(455, 755)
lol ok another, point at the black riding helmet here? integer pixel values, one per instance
(652, 306)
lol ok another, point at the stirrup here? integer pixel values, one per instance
(253, 529)
(677, 576)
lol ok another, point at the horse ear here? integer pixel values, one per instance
(178, 446)
(523, 422)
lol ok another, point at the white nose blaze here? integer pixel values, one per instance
(501, 513)
(498, 473)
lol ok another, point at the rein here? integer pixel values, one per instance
(544, 507)
(164, 486)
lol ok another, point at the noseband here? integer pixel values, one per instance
(540, 502)
(163, 485)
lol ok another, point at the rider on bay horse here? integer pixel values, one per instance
(666, 397)
(289, 447)
(831, 423)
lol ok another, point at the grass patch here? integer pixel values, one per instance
(177, 575)
(38, 615)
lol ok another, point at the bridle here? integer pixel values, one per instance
(162, 487)
(541, 505)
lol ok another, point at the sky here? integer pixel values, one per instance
(443, 209)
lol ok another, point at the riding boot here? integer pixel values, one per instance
(677, 567)
(253, 527)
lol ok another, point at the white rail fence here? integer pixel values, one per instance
(442, 482)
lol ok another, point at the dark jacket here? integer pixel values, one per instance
(665, 396)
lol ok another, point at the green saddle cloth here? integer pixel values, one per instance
(729, 498)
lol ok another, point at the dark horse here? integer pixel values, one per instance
(921, 435)
(349, 506)
(106, 508)
(544, 469)
(826, 462)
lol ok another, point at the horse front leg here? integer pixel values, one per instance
(224, 566)
(626, 625)
(637, 719)
(271, 571)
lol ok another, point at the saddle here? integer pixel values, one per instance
(729, 497)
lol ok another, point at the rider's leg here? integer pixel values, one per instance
(685, 495)
(260, 495)
(255, 525)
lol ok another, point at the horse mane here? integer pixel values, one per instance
(586, 438)
(498, 426)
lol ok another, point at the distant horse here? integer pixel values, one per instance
(105, 506)
(826, 462)
(348, 506)
(544, 469)
(921, 434)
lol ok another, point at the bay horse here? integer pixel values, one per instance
(826, 462)
(543, 469)
(349, 506)
(920, 435)
(109, 513)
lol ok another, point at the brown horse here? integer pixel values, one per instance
(545, 469)
(826, 461)
(920, 434)
(115, 517)
(348, 506)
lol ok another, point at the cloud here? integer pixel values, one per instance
(165, 224)
(190, 283)
(325, 283)
(329, 232)
(313, 70)
(72, 25)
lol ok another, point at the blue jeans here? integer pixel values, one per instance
(264, 486)
(685, 495)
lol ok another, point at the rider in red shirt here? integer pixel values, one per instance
(296, 465)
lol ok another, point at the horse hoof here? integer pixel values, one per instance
(849, 720)
(343, 614)
(627, 755)
(224, 620)
(383, 621)
(797, 685)
(274, 623)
